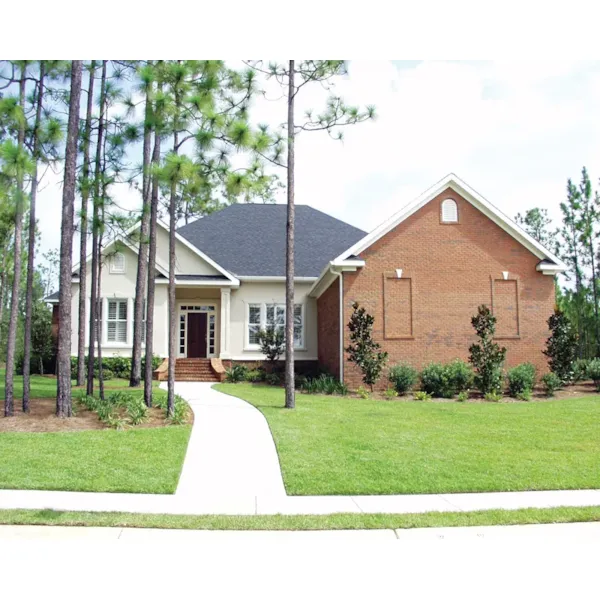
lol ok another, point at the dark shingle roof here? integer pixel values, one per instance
(51, 297)
(249, 239)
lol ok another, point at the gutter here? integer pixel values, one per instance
(341, 318)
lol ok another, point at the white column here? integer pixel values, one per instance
(225, 323)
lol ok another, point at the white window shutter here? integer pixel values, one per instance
(449, 211)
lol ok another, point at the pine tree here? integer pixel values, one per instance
(83, 229)
(292, 77)
(63, 388)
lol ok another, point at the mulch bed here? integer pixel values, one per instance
(42, 418)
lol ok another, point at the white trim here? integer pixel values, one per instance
(449, 202)
(197, 302)
(341, 317)
(455, 183)
(329, 272)
(274, 279)
(201, 254)
(113, 269)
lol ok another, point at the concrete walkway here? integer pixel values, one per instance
(232, 467)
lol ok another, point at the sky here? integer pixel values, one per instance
(514, 131)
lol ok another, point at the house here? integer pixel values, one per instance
(422, 274)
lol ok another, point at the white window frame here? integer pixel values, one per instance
(263, 323)
(209, 307)
(113, 267)
(447, 202)
(108, 320)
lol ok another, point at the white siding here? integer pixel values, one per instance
(187, 262)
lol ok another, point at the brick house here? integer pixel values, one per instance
(422, 274)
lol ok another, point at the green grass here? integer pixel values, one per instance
(45, 387)
(136, 460)
(303, 522)
(145, 460)
(336, 445)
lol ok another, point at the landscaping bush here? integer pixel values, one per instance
(525, 395)
(120, 366)
(271, 343)
(255, 375)
(593, 372)
(137, 411)
(364, 351)
(273, 379)
(551, 382)
(580, 369)
(390, 393)
(463, 396)
(181, 411)
(422, 396)
(487, 357)
(445, 381)
(493, 396)
(236, 373)
(561, 346)
(324, 384)
(521, 379)
(403, 377)
(363, 393)
(107, 374)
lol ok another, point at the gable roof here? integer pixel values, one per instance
(249, 239)
(550, 262)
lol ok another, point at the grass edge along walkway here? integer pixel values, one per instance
(340, 521)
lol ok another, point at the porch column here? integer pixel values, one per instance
(225, 323)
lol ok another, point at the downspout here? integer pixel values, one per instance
(341, 319)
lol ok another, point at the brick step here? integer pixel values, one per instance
(200, 379)
(193, 369)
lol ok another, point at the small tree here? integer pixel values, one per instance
(271, 342)
(486, 357)
(364, 350)
(561, 346)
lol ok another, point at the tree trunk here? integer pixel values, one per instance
(31, 244)
(172, 306)
(290, 398)
(98, 334)
(14, 300)
(95, 228)
(151, 274)
(2, 289)
(595, 295)
(63, 392)
(142, 270)
(85, 195)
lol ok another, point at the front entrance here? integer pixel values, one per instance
(196, 334)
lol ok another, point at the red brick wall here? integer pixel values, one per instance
(452, 269)
(328, 326)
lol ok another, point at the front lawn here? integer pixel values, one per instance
(145, 459)
(337, 445)
(136, 460)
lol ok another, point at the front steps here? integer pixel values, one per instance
(195, 369)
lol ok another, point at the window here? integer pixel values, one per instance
(117, 321)
(117, 263)
(254, 311)
(449, 211)
(261, 316)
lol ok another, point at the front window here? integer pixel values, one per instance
(117, 321)
(263, 316)
(117, 263)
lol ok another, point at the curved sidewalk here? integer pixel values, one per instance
(232, 468)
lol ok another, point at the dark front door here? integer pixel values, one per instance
(196, 335)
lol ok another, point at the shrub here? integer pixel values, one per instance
(463, 396)
(271, 342)
(493, 396)
(255, 375)
(593, 372)
(390, 393)
(180, 412)
(364, 351)
(445, 381)
(461, 376)
(324, 384)
(363, 393)
(551, 382)
(580, 369)
(273, 378)
(236, 373)
(422, 396)
(487, 357)
(107, 374)
(403, 377)
(561, 346)
(521, 379)
(525, 395)
(137, 411)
